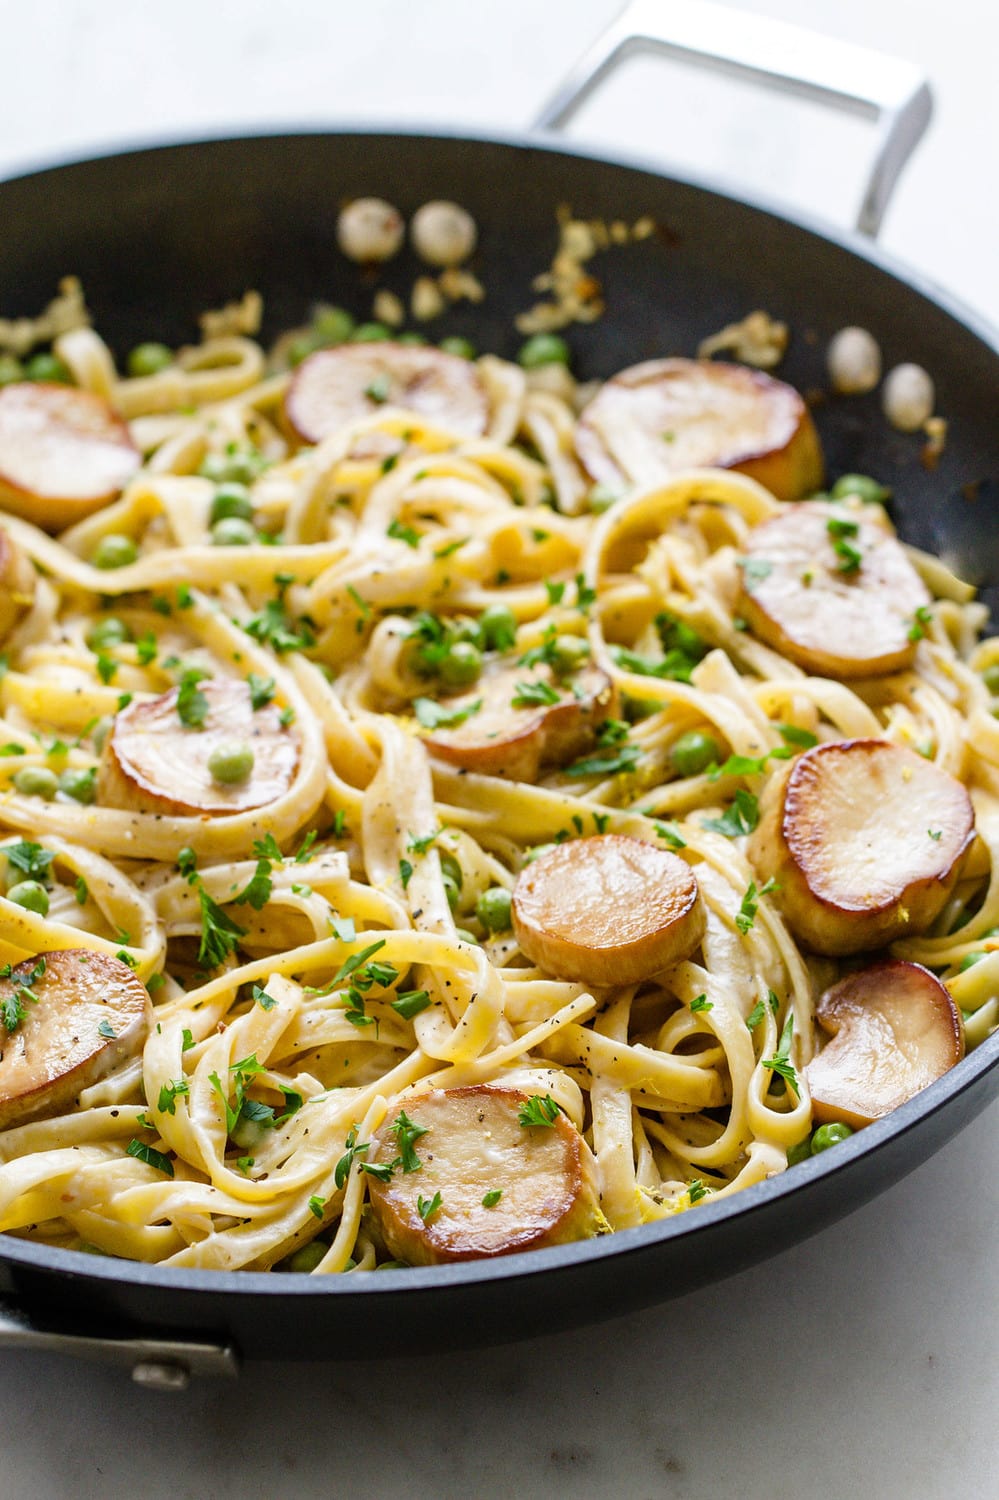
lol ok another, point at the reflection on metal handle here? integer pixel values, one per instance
(783, 57)
(157, 1364)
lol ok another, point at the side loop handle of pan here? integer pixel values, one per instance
(780, 56)
(161, 1364)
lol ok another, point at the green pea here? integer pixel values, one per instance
(106, 633)
(149, 359)
(969, 960)
(237, 468)
(80, 785)
(467, 937)
(231, 762)
(498, 627)
(569, 652)
(233, 531)
(299, 349)
(800, 1151)
(370, 333)
(861, 485)
(493, 909)
(452, 869)
(693, 752)
(332, 325)
(413, 340)
(544, 349)
(464, 348)
(11, 369)
(31, 895)
(829, 1135)
(532, 854)
(461, 664)
(452, 892)
(36, 781)
(231, 499)
(248, 1133)
(114, 551)
(307, 1258)
(467, 630)
(990, 677)
(602, 497)
(47, 367)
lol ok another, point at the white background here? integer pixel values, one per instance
(862, 1363)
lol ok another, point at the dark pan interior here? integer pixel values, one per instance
(157, 235)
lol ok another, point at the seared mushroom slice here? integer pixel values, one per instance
(894, 1029)
(507, 735)
(17, 585)
(833, 591)
(336, 386)
(83, 1013)
(655, 419)
(154, 762)
(63, 453)
(865, 840)
(504, 1185)
(607, 911)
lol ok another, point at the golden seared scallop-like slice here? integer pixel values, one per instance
(336, 386)
(865, 840)
(504, 1186)
(607, 911)
(527, 719)
(83, 1013)
(894, 1029)
(832, 589)
(153, 762)
(63, 453)
(655, 419)
(17, 584)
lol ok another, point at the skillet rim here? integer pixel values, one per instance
(863, 1146)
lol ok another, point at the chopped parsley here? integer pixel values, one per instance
(669, 833)
(920, 620)
(540, 1109)
(150, 1156)
(492, 1198)
(533, 694)
(406, 1133)
(701, 1002)
(317, 1205)
(261, 691)
(754, 571)
(405, 873)
(427, 1207)
(403, 533)
(219, 933)
(107, 1031)
(792, 735)
(839, 526)
(696, 1190)
(263, 999)
(433, 715)
(169, 1093)
(192, 705)
(742, 817)
(780, 1064)
(750, 904)
(622, 760)
(409, 1003)
(273, 627)
(257, 892)
(850, 557)
(13, 1007)
(31, 859)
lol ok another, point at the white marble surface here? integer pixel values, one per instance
(861, 1363)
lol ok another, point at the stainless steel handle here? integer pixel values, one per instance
(787, 58)
(158, 1364)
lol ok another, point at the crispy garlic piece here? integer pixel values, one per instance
(831, 588)
(607, 911)
(504, 1186)
(154, 762)
(84, 1013)
(865, 840)
(501, 739)
(64, 453)
(334, 387)
(655, 419)
(894, 1029)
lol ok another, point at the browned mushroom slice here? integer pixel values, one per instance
(865, 840)
(486, 1184)
(154, 762)
(63, 453)
(834, 592)
(82, 1014)
(607, 911)
(336, 386)
(657, 418)
(526, 718)
(17, 585)
(894, 1029)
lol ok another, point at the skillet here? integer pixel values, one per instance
(157, 234)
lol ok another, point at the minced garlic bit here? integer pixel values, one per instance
(236, 318)
(758, 340)
(427, 300)
(577, 297)
(459, 286)
(936, 440)
(388, 309)
(64, 313)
